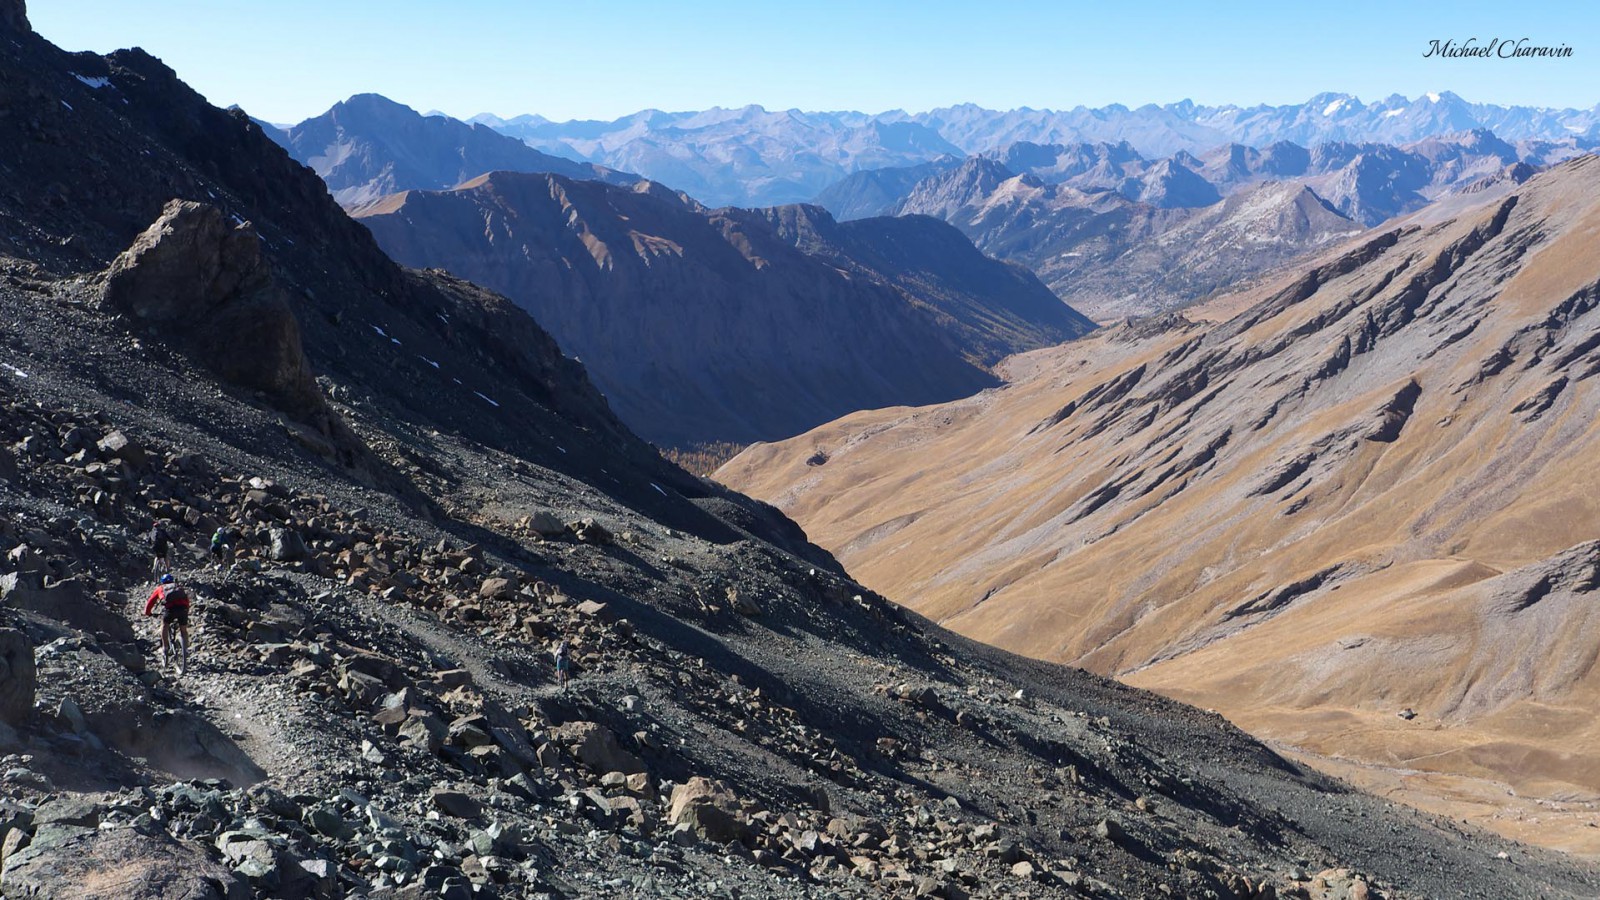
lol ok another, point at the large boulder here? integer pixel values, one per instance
(710, 808)
(18, 677)
(66, 601)
(117, 445)
(286, 545)
(596, 746)
(197, 275)
(119, 864)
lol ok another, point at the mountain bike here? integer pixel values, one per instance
(174, 648)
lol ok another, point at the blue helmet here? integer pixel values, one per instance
(167, 578)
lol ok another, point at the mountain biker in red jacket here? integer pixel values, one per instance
(174, 602)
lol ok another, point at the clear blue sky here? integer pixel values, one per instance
(287, 60)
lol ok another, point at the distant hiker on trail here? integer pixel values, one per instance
(221, 543)
(563, 665)
(160, 548)
(174, 600)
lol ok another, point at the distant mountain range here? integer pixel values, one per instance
(1117, 234)
(370, 146)
(756, 157)
(731, 325)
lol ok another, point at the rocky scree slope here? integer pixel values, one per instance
(369, 710)
(1356, 490)
(369, 146)
(705, 326)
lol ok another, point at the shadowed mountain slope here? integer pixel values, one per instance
(1359, 488)
(713, 325)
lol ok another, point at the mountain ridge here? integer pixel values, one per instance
(368, 146)
(699, 139)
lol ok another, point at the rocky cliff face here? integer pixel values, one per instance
(1355, 490)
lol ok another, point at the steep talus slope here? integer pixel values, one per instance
(368, 146)
(1362, 488)
(713, 326)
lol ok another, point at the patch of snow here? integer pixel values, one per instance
(66, 104)
(443, 318)
(1432, 97)
(1391, 113)
(394, 341)
(13, 370)
(378, 330)
(97, 82)
(237, 219)
(561, 448)
(487, 400)
(1334, 107)
(658, 488)
(456, 380)
(427, 360)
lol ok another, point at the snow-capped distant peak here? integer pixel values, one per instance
(1432, 97)
(1335, 106)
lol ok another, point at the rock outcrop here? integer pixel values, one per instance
(196, 276)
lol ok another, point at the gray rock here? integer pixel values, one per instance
(589, 531)
(119, 864)
(117, 445)
(78, 811)
(455, 803)
(285, 545)
(545, 524)
(423, 730)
